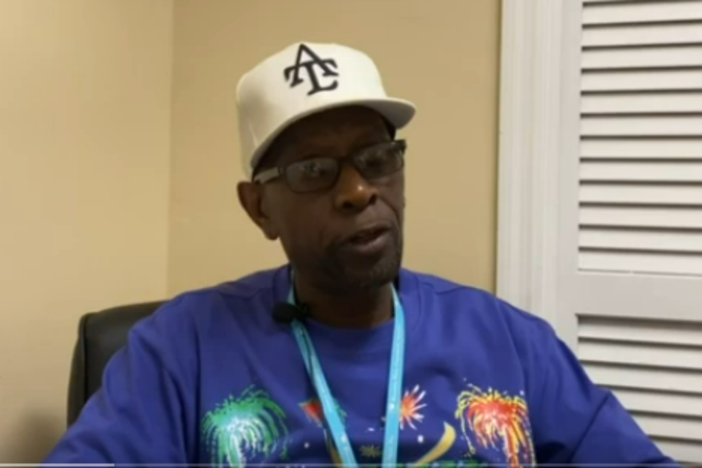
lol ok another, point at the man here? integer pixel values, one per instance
(342, 356)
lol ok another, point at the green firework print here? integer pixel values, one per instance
(250, 425)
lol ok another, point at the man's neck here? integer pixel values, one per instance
(364, 309)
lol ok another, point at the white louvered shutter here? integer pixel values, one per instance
(635, 289)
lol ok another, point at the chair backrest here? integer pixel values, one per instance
(100, 335)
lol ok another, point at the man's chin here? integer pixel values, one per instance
(372, 276)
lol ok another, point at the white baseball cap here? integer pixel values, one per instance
(303, 79)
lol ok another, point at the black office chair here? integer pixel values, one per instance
(100, 335)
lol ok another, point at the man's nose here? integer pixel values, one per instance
(352, 192)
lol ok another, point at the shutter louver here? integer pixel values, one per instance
(642, 137)
(640, 213)
(654, 368)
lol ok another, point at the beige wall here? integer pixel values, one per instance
(84, 173)
(442, 54)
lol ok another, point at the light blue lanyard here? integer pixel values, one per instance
(394, 397)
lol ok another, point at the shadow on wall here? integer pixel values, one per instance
(37, 434)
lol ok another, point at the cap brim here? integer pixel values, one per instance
(398, 112)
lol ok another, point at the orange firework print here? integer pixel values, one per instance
(313, 410)
(497, 421)
(411, 404)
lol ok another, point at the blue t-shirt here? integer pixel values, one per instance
(211, 378)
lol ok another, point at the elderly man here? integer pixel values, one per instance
(342, 356)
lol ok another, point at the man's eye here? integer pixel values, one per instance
(375, 159)
(313, 168)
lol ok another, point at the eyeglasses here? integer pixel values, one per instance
(317, 174)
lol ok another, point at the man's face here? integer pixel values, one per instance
(342, 238)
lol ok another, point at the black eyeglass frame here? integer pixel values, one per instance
(268, 175)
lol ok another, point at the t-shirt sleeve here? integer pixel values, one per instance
(143, 410)
(573, 420)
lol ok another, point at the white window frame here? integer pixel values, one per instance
(538, 153)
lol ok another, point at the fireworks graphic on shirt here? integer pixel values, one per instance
(315, 412)
(497, 421)
(411, 404)
(371, 451)
(249, 425)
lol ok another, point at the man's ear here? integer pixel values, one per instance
(251, 198)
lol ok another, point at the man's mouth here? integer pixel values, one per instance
(366, 236)
(369, 241)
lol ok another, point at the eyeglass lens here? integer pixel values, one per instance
(321, 173)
